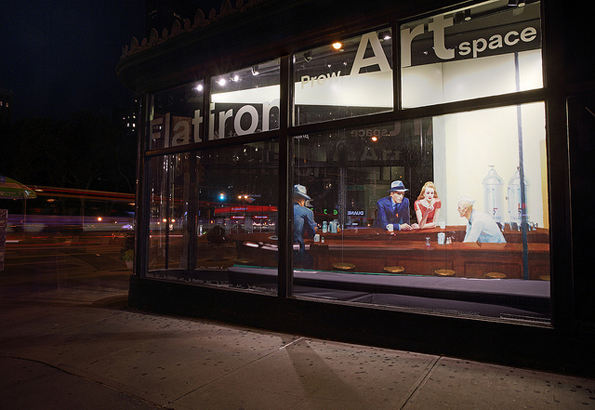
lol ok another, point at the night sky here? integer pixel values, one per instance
(59, 57)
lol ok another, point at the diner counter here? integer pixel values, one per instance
(412, 253)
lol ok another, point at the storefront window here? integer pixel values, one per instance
(348, 78)
(428, 213)
(214, 214)
(447, 213)
(176, 117)
(238, 208)
(482, 50)
(170, 202)
(245, 101)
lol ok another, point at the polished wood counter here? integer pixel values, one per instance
(409, 252)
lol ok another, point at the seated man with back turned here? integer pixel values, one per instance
(480, 226)
(303, 222)
(393, 210)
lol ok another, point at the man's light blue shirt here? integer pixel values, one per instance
(482, 228)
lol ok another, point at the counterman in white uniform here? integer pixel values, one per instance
(480, 226)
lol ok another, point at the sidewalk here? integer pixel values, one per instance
(88, 351)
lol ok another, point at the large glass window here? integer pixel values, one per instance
(245, 101)
(237, 213)
(479, 51)
(429, 213)
(214, 214)
(447, 213)
(170, 202)
(348, 78)
(176, 117)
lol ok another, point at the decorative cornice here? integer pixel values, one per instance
(200, 21)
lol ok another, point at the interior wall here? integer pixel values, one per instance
(460, 80)
(473, 141)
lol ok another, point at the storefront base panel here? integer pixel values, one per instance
(526, 345)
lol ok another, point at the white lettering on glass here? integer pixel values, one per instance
(196, 121)
(235, 120)
(181, 131)
(160, 129)
(438, 25)
(266, 113)
(249, 110)
(407, 37)
(223, 116)
(474, 47)
(318, 79)
(529, 34)
(378, 57)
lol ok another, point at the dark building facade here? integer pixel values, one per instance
(409, 175)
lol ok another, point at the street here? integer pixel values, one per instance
(63, 269)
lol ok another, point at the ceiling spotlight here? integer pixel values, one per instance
(198, 87)
(337, 45)
(255, 71)
(235, 78)
(516, 3)
(308, 56)
(462, 16)
(222, 82)
(384, 35)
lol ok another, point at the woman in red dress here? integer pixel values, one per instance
(427, 207)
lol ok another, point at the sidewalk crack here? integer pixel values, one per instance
(421, 381)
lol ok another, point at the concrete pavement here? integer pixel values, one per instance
(77, 348)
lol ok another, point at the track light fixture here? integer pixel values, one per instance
(384, 36)
(516, 3)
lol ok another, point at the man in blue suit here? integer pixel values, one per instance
(303, 222)
(393, 210)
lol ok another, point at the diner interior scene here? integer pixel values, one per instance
(441, 213)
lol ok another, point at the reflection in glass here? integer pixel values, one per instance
(237, 206)
(349, 172)
(212, 212)
(176, 117)
(345, 79)
(169, 202)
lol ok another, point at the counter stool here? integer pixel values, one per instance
(343, 266)
(444, 272)
(544, 277)
(495, 275)
(394, 269)
(243, 261)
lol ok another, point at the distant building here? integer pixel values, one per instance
(5, 106)
(128, 118)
